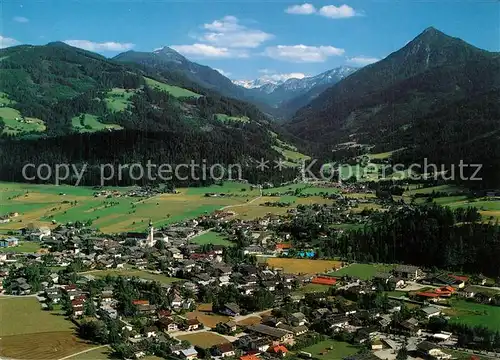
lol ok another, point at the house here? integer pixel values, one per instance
(430, 311)
(189, 353)
(9, 242)
(193, 324)
(468, 292)
(408, 272)
(430, 349)
(297, 319)
(280, 335)
(150, 331)
(295, 330)
(279, 350)
(167, 324)
(231, 309)
(231, 326)
(224, 350)
(411, 327)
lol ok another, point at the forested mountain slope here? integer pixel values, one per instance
(55, 96)
(437, 97)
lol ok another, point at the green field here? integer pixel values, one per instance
(118, 99)
(172, 90)
(25, 316)
(211, 237)
(42, 204)
(363, 271)
(129, 273)
(28, 332)
(228, 119)
(89, 123)
(24, 247)
(16, 124)
(475, 314)
(339, 350)
(102, 353)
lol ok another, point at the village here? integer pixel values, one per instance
(159, 293)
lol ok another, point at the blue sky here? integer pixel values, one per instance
(249, 39)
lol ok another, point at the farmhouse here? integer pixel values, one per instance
(408, 272)
(277, 334)
(9, 242)
(231, 309)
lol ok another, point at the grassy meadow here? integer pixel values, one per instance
(24, 324)
(172, 90)
(363, 271)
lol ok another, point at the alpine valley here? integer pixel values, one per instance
(436, 98)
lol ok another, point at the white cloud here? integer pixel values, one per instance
(6, 42)
(20, 19)
(302, 53)
(222, 72)
(105, 46)
(228, 32)
(282, 77)
(209, 51)
(226, 24)
(334, 12)
(304, 9)
(362, 60)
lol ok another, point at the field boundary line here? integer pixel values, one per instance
(83, 352)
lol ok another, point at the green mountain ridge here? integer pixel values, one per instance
(78, 95)
(434, 79)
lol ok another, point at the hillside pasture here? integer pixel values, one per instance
(15, 123)
(229, 119)
(90, 123)
(175, 91)
(118, 99)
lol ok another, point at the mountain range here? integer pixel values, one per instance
(435, 98)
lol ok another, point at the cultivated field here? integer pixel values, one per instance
(204, 339)
(303, 266)
(27, 332)
(207, 319)
(41, 204)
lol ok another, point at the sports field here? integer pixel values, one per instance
(303, 266)
(211, 237)
(363, 271)
(331, 350)
(28, 332)
(204, 339)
